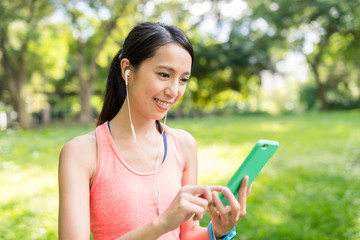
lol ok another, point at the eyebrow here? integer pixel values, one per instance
(172, 69)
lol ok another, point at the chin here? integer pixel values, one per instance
(160, 117)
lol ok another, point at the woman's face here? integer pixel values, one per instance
(159, 82)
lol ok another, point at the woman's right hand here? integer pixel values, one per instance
(191, 201)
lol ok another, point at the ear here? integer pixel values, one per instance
(125, 65)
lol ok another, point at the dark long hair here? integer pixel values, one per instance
(142, 43)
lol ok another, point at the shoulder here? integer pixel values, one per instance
(80, 152)
(80, 144)
(185, 139)
(188, 147)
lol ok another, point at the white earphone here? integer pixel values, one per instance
(126, 76)
(127, 71)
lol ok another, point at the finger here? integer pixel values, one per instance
(243, 187)
(243, 195)
(197, 200)
(196, 211)
(248, 191)
(234, 206)
(193, 206)
(233, 202)
(214, 214)
(202, 191)
(212, 189)
(218, 204)
(216, 188)
(198, 205)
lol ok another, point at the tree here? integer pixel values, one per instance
(18, 23)
(93, 22)
(229, 62)
(309, 27)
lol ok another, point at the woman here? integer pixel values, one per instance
(133, 177)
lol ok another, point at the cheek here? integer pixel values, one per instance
(181, 93)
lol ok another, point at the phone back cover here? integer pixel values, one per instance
(254, 162)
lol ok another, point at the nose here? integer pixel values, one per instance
(172, 90)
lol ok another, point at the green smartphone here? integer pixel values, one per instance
(254, 162)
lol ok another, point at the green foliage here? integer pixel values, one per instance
(324, 32)
(19, 22)
(308, 190)
(48, 37)
(308, 95)
(339, 97)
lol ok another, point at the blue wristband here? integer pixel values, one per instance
(211, 234)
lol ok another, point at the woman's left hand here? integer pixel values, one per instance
(225, 218)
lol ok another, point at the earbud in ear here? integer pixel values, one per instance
(126, 76)
(127, 71)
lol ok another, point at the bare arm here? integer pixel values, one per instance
(191, 228)
(76, 166)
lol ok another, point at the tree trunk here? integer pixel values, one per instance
(46, 114)
(16, 80)
(13, 60)
(19, 104)
(320, 87)
(23, 115)
(86, 86)
(85, 94)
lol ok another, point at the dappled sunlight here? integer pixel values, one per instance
(22, 183)
(273, 217)
(28, 202)
(276, 127)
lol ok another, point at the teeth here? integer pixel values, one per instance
(162, 103)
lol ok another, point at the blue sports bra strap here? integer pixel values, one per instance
(165, 145)
(108, 123)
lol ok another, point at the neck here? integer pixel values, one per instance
(143, 127)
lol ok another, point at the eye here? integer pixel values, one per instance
(184, 80)
(164, 75)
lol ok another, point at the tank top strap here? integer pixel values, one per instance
(172, 140)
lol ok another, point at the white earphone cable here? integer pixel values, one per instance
(128, 102)
(155, 171)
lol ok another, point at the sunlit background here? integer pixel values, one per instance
(280, 70)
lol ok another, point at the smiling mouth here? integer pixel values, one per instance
(164, 104)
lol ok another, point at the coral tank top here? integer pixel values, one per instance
(121, 198)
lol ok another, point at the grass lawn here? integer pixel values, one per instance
(310, 189)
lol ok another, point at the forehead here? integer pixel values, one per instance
(172, 55)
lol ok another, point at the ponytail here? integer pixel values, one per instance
(115, 92)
